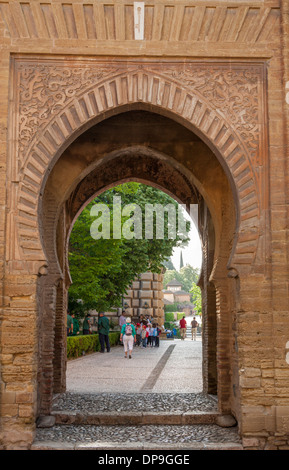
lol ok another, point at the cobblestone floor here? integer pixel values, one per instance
(146, 435)
(133, 434)
(141, 402)
(171, 383)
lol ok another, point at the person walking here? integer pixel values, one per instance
(183, 327)
(148, 328)
(128, 337)
(103, 332)
(86, 325)
(138, 334)
(155, 335)
(69, 324)
(151, 336)
(121, 320)
(75, 325)
(158, 334)
(144, 336)
(194, 325)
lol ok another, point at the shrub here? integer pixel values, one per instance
(114, 338)
(169, 316)
(171, 308)
(77, 345)
(169, 325)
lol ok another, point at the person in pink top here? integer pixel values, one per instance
(183, 327)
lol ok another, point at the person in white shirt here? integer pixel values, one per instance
(122, 319)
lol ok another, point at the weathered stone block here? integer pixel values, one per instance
(8, 397)
(146, 285)
(282, 418)
(250, 382)
(145, 301)
(24, 397)
(145, 311)
(249, 442)
(258, 419)
(156, 285)
(9, 410)
(147, 277)
(128, 295)
(252, 372)
(146, 294)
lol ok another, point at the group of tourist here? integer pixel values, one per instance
(144, 333)
(103, 329)
(73, 327)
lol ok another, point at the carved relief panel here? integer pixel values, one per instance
(53, 100)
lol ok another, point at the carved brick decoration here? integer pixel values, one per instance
(54, 101)
(236, 22)
(233, 93)
(45, 91)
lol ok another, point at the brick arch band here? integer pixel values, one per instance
(132, 164)
(77, 97)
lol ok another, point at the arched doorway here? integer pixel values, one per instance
(53, 183)
(141, 145)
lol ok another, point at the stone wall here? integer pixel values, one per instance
(146, 297)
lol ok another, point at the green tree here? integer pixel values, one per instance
(186, 276)
(169, 265)
(196, 298)
(102, 270)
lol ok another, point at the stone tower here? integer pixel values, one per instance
(146, 297)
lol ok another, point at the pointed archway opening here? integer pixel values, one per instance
(145, 146)
(120, 268)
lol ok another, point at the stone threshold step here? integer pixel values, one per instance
(135, 418)
(102, 445)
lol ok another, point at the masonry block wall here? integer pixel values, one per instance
(146, 297)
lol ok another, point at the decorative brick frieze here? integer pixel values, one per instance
(54, 101)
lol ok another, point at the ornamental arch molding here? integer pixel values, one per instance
(56, 100)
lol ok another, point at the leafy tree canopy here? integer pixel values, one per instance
(196, 298)
(102, 269)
